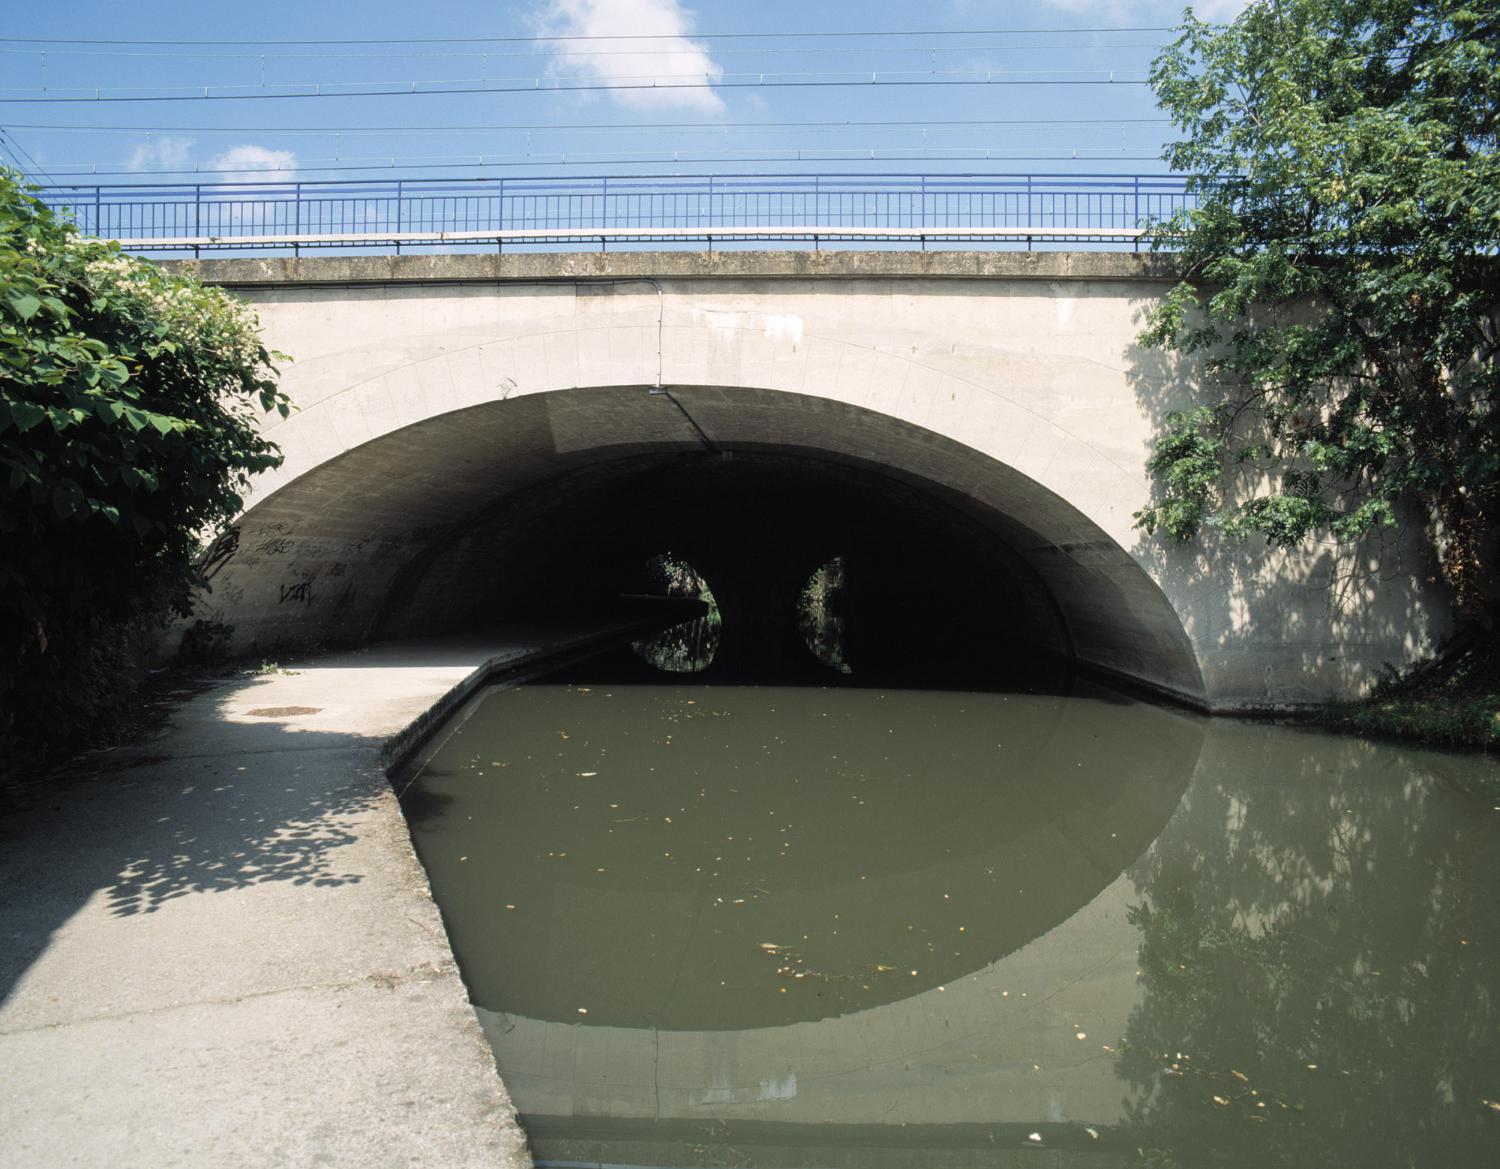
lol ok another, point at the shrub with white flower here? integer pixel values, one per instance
(129, 410)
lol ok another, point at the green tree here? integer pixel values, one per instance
(1341, 285)
(128, 408)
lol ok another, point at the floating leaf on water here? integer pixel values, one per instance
(1220, 1100)
(1080, 1035)
(1492, 1105)
(1093, 1132)
(882, 968)
(1240, 1076)
(1035, 1138)
(587, 774)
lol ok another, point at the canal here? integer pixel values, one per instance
(835, 922)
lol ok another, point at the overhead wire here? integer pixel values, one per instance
(697, 127)
(306, 167)
(772, 43)
(560, 38)
(543, 85)
(823, 50)
(17, 152)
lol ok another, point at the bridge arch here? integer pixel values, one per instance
(448, 520)
(435, 393)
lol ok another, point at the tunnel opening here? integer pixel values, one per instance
(821, 615)
(687, 648)
(956, 567)
(815, 565)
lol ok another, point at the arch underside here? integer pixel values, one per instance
(430, 525)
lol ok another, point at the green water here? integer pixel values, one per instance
(719, 925)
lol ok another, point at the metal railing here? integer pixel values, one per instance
(582, 212)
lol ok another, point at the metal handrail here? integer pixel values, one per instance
(675, 209)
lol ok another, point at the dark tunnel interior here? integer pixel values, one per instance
(914, 588)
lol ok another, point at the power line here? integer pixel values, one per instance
(1079, 153)
(17, 153)
(462, 54)
(872, 82)
(695, 79)
(704, 127)
(573, 38)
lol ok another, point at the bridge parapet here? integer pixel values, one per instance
(582, 213)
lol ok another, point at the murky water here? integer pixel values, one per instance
(718, 925)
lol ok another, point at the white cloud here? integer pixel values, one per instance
(669, 60)
(248, 163)
(159, 154)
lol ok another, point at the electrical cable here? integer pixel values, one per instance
(310, 166)
(577, 37)
(592, 127)
(872, 82)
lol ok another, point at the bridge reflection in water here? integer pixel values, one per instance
(717, 925)
(795, 906)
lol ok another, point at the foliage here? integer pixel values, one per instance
(128, 408)
(1341, 283)
(687, 648)
(1450, 701)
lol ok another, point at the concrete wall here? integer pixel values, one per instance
(429, 388)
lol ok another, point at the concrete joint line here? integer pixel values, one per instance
(415, 975)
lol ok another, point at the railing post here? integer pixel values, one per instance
(297, 218)
(1030, 214)
(1137, 224)
(399, 200)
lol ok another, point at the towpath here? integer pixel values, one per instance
(218, 949)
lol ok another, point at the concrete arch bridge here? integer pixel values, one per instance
(476, 436)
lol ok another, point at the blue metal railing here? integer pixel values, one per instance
(598, 210)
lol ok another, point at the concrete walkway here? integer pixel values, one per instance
(217, 948)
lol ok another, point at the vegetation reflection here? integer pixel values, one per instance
(687, 648)
(1316, 958)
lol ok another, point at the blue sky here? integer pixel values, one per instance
(680, 95)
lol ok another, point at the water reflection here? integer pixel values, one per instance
(1307, 900)
(1319, 961)
(724, 858)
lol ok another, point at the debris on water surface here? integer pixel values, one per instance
(1035, 1138)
